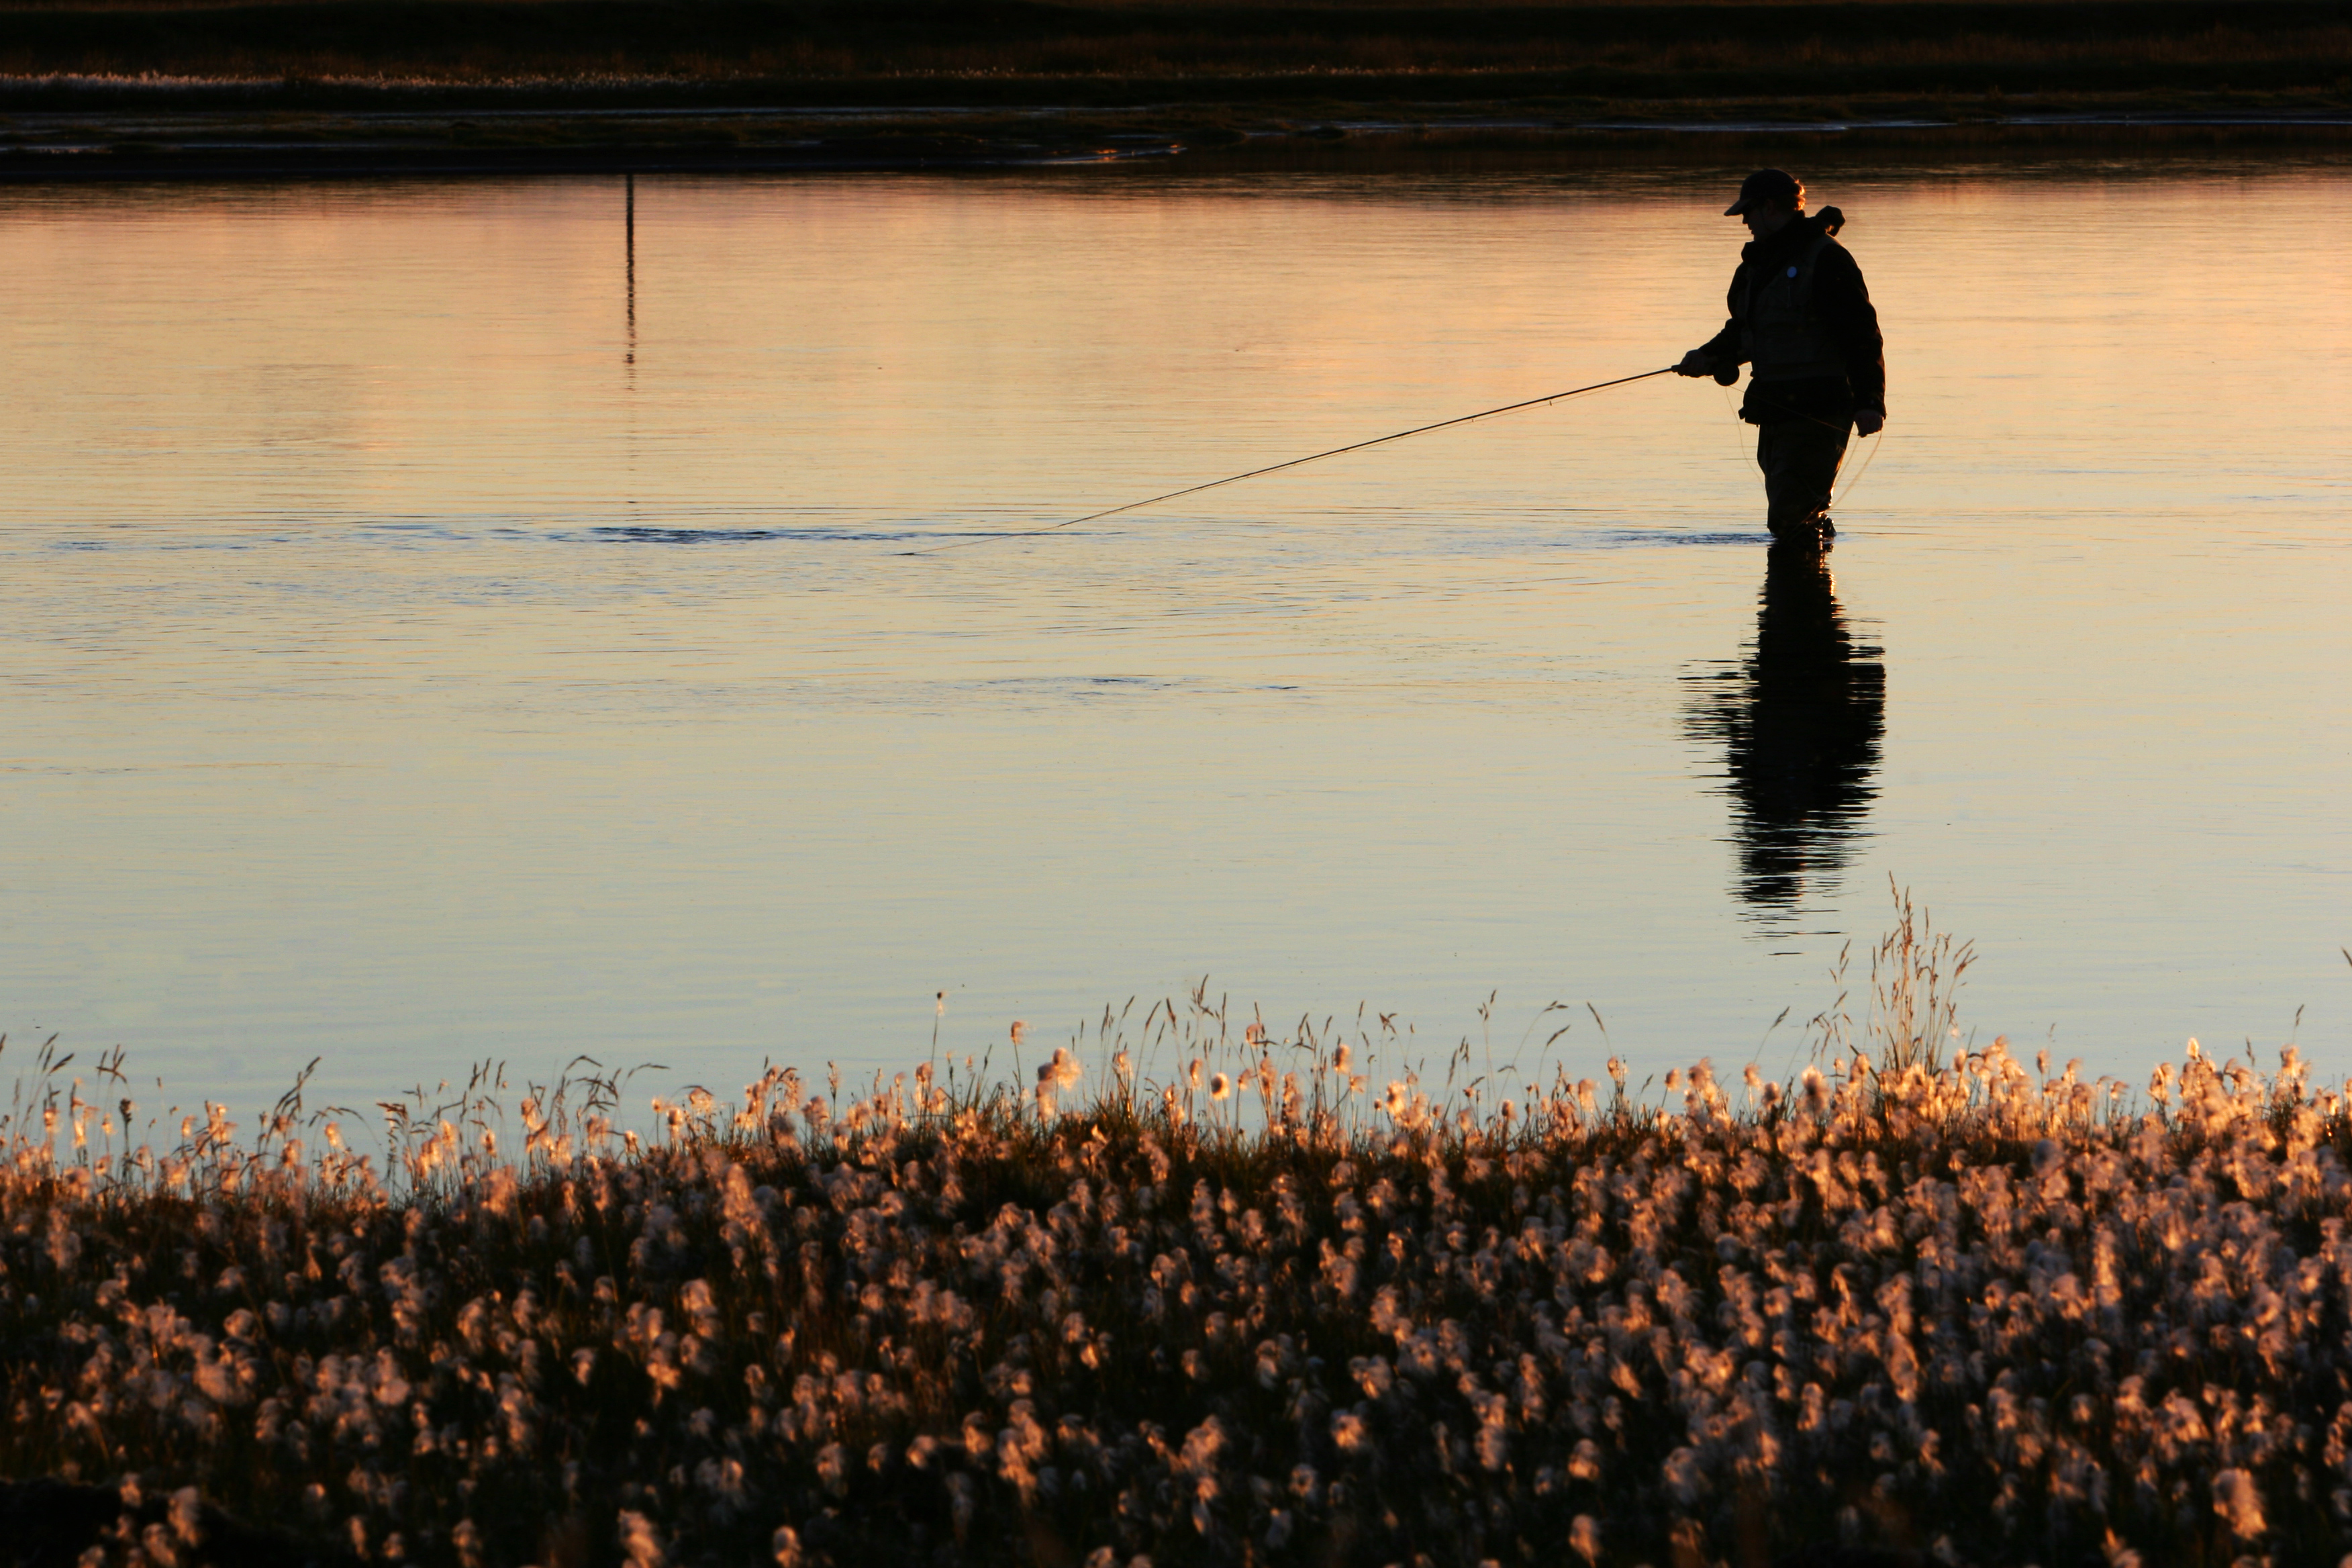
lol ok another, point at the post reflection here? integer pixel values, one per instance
(1799, 720)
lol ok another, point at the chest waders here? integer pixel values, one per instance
(1780, 335)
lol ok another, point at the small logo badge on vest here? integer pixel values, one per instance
(1793, 273)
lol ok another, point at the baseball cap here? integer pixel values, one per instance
(1767, 185)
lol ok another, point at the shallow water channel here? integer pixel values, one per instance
(443, 623)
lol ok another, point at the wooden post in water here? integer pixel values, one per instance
(629, 257)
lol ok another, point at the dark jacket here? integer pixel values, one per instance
(1840, 304)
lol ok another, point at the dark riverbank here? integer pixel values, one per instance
(120, 143)
(1125, 52)
(455, 85)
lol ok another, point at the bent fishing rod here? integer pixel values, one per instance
(1293, 463)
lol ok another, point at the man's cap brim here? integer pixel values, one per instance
(1736, 208)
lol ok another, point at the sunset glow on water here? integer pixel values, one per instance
(419, 649)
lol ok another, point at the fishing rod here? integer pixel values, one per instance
(1294, 462)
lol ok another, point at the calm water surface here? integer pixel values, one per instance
(426, 640)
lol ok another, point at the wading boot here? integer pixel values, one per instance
(1813, 534)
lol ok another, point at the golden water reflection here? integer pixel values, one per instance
(1799, 722)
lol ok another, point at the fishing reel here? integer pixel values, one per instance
(1726, 375)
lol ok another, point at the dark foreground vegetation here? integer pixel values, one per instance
(1078, 75)
(1270, 1312)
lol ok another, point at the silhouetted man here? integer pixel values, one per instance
(1801, 320)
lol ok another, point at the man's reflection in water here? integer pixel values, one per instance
(1800, 722)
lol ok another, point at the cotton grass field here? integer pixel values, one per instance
(1277, 1303)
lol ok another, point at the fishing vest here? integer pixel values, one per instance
(1780, 335)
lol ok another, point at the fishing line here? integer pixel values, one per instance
(1294, 462)
(1742, 443)
(1877, 441)
(1844, 490)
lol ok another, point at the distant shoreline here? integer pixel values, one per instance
(173, 141)
(165, 88)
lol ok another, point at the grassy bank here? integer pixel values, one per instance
(1113, 50)
(1274, 1309)
(75, 134)
(287, 74)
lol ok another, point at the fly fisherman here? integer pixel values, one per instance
(1801, 320)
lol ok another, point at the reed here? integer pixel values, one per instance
(1204, 1291)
